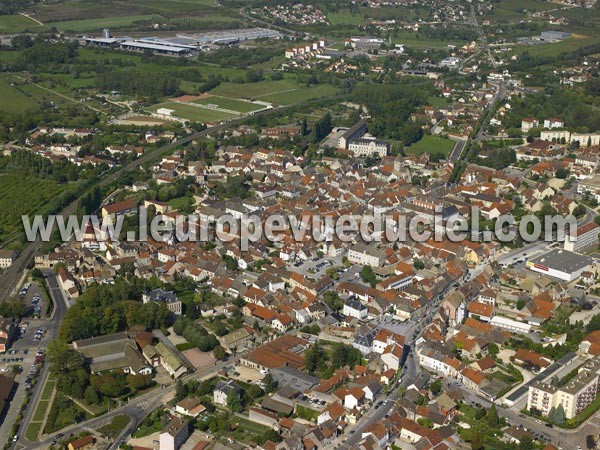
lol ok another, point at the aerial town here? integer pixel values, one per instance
(288, 226)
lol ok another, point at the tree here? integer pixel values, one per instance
(559, 415)
(526, 443)
(62, 358)
(234, 401)
(493, 349)
(314, 358)
(368, 276)
(181, 390)
(269, 383)
(492, 418)
(418, 264)
(91, 395)
(435, 387)
(12, 307)
(333, 300)
(219, 353)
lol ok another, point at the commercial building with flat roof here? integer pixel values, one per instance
(561, 264)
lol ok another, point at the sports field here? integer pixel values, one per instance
(229, 103)
(432, 144)
(193, 113)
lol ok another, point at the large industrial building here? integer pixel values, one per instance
(181, 44)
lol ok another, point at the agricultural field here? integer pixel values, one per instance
(23, 195)
(300, 94)
(252, 90)
(432, 144)
(509, 10)
(12, 100)
(83, 10)
(229, 103)
(280, 92)
(98, 24)
(193, 113)
(345, 17)
(17, 24)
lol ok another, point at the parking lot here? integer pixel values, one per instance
(26, 352)
(34, 298)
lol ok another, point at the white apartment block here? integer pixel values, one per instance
(591, 186)
(584, 139)
(574, 396)
(7, 257)
(364, 147)
(583, 239)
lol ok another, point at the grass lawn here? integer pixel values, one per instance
(17, 23)
(99, 23)
(151, 424)
(14, 101)
(32, 431)
(247, 430)
(344, 17)
(252, 90)
(47, 393)
(180, 202)
(300, 94)
(516, 9)
(229, 103)
(192, 112)
(117, 425)
(437, 102)
(40, 412)
(432, 144)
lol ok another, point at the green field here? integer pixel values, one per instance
(281, 92)
(180, 202)
(14, 101)
(47, 393)
(117, 425)
(81, 10)
(18, 23)
(192, 112)
(40, 412)
(99, 23)
(252, 90)
(229, 103)
(432, 144)
(345, 18)
(291, 97)
(556, 48)
(32, 431)
(516, 9)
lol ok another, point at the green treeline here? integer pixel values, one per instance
(138, 83)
